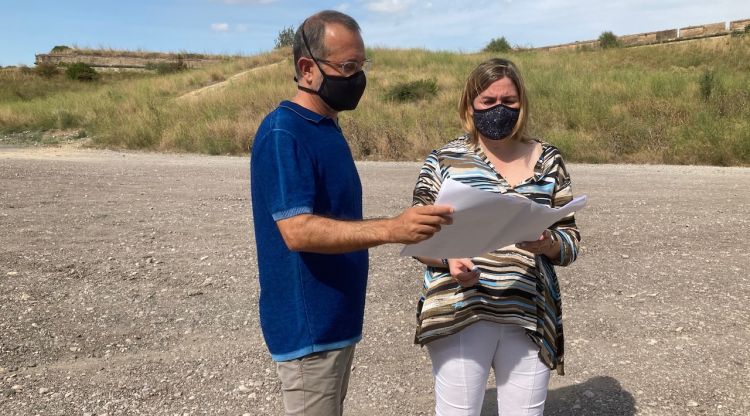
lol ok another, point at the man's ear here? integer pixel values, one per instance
(305, 66)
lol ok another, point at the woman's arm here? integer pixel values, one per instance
(565, 231)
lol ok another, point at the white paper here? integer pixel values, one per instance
(486, 221)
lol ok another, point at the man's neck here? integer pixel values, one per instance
(313, 103)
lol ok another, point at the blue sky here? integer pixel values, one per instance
(250, 26)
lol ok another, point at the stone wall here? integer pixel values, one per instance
(669, 35)
(739, 25)
(703, 30)
(122, 62)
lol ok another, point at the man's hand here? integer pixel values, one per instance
(416, 224)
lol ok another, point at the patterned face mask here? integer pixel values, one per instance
(496, 122)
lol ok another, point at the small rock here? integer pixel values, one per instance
(195, 293)
(679, 329)
(692, 403)
(16, 387)
(652, 342)
(243, 389)
(252, 396)
(43, 390)
(625, 256)
(14, 273)
(204, 257)
(588, 393)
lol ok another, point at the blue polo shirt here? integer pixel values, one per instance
(301, 164)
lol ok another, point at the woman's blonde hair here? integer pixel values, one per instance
(479, 80)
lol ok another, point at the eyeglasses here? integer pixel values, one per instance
(347, 67)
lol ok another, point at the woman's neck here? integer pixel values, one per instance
(506, 150)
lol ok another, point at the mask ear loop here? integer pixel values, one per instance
(307, 46)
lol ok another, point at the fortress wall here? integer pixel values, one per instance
(669, 35)
(739, 25)
(123, 62)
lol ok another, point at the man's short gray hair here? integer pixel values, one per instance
(315, 30)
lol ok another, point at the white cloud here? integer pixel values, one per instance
(389, 6)
(220, 27)
(343, 7)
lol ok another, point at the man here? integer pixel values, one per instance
(307, 211)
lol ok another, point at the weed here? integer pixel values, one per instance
(413, 90)
(707, 84)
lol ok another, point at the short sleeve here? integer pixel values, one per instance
(283, 171)
(429, 181)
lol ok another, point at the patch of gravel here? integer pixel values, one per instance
(128, 286)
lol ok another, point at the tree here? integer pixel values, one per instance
(285, 37)
(608, 40)
(497, 45)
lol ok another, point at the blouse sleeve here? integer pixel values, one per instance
(429, 181)
(566, 230)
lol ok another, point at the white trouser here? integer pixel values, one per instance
(461, 365)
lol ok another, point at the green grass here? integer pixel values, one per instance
(622, 105)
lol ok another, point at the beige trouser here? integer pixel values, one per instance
(315, 385)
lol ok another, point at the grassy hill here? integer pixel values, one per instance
(686, 103)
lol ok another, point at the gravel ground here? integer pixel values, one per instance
(128, 286)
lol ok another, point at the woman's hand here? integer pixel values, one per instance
(544, 245)
(464, 272)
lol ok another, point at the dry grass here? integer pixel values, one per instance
(634, 105)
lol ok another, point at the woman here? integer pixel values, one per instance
(500, 309)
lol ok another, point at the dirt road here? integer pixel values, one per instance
(128, 285)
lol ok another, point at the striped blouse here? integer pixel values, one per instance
(515, 286)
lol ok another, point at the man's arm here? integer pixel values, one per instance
(316, 234)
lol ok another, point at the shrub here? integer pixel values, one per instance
(285, 37)
(608, 40)
(497, 45)
(46, 70)
(60, 48)
(707, 83)
(167, 67)
(82, 72)
(413, 91)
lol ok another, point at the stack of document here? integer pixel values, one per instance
(486, 221)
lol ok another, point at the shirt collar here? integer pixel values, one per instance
(303, 112)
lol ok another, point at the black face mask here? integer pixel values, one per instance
(339, 93)
(497, 122)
